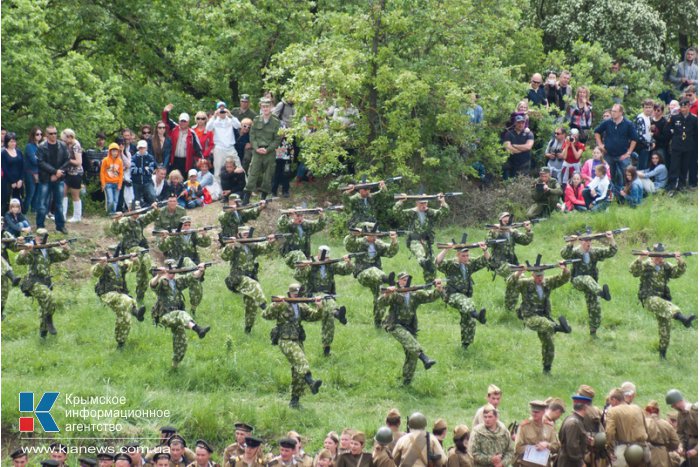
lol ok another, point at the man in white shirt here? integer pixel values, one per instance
(222, 123)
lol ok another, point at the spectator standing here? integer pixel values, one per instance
(146, 133)
(518, 142)
(596, 193)
(691, 95)
(15, 222)
(112, 176)
(564, 90)
(74, 175)
(159, 182)
(658, 130)
(573, 194)
(686, 72)
(126, 193)
(644, 134)
(12, 171)
(222, 126)
(581, 113)
(683, 131)
(142, 168)
(184, 141)
(285, 111)
(572, 150)
(523, 109)
(265, 139)
(633, 192)
(535, 92)
(553, 152)
(617, 138)
(655, 177)
(243, 147)
(31, 170)
(551, 90)
(159, 145)
(283, 168)
(53, 159)
(244, 110)
(233, 179)
(206, 137)
(588, 169)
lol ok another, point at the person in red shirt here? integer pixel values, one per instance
(572, 149)
(691, 95)
(206, 138)
(186, 149)
(573, 195)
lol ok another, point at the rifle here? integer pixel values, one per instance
(514, 224)
(237, 207)
(172, 233)
(137, 212)
(589, 236)
(370, 185)
(279, 299)
(372, 233)
(428, 197)
(413, 288)
(336, 208)
(114, 259)
(46, 245)
(180, 270)
(540, 267)
(325, 262)
(663, 254)
(226, 240)
(447, 246)
(13, 240)
(513, 428)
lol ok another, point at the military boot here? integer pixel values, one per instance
(314, 384)
(686, 320)
(605, 293)
(246, 198)
(248, 329)
(327, 351)
(263, 305)
(120, 345)
(15, 280)
(50, 326)
(428, 269)
(339, 314)
(294, 402)
(662, 353)
(547, 369)
(480, 316)
(138, 312)
(263, 195)
(563, 326)
(201, 331)
(427, 361)
(389, 278)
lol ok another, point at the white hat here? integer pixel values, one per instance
(573, 131)
(142, 144)
(324, 247)
(191, 173)
(184, 116)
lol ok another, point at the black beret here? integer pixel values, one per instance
(122, 456)
(87, 461)
(243, 427)
(252, 441)
(288, 443)
(19, 452)
(200, 443)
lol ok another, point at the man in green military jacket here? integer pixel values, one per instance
(546, 193)
(265, 138)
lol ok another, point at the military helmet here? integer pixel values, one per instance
(634, 455)
(417, 421)
(42, 231)
(673, 396)
(599, 440)
(185, 219)
(384, 436)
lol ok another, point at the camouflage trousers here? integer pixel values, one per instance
(590, 289)
(372, 279)
(196, 290)
(664, 311)
(328, 322)
(421, 253)
(294, 353)
(142, 267)
(542, 209)
(512, 295)
(122, 305)
(467, 324)
(253, 296)
(411, 349)
(47, 305)
(545, 331)
(178, 321)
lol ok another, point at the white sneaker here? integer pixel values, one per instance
(73, 220)
(50, 217)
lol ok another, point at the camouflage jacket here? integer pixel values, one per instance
(183, 246)
(361, 209)
(131, 233)
(373, 258)
(484, 444)
(231, 220)
(169, 294)
(505, 252)
(595, 254)
(412, 221)
(313, 280)
(301, 234)
(169, 221)
(111, 277)
(459, 281)
(654, 280)
(244, 258)
(289, 317)
(403, 307)
(551, 197)
(532, 304)
(39, 264)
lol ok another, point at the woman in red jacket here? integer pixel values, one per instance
(185, 150)
(206, 138)
(573, 195)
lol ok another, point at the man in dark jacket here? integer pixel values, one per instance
(53, 159)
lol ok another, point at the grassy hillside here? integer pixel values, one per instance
(231, 376)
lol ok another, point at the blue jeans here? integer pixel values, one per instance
(42, 194)
(111, 197)
(144, 194)
(30, 198)
(617, 170)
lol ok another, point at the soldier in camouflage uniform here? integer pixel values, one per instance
(8, 276)
(401, 321)
(184, 248)
(243, 276)
(546, 193)
(301, 230)
(169, 218)
(584, 276)
(112, 289)
(503, 254)
(265, 138)
(37, 282)
(289, 334)
(129, 229)
(368, 268)
(420, 221)
(536, 308)
(460, 288)
(362, 205)
(231, 220)
(491, 440)
(168, 310)
(321, 280)
(655, 295)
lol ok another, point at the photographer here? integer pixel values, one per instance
(572, 151)
(553, 152)
(223, 124)
(546, 193)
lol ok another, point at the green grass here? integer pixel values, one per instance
(231, 376)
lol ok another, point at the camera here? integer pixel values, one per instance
(539, 187)
(222, 110)
(571, 139)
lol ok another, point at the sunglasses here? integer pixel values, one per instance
(200, 118)
(558, 133)
(161, 128)
(52, 133)
(37, 133)
(145, 132)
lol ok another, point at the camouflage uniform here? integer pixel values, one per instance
(655, 294)
(584, 277)
(231, 220)
(545, 201)
(484, 444)
(530, 432)
(301, 236)
(112, 290)
(321, 279)
(536, 311)
(458, 292)
(168, 310)
(37, 282)
(503, 254)
(7, 272)
(169, 220)
(291, 336)
(263, 135)
(687, 430)
(361, 209)
(185, 246)
(243, 276)
(401, 321)
(420, 240)
(129, 229)
(368, 268)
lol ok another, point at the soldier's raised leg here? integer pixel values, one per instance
(123, 307)
(467, 324)
(47, 307)
(143, 276)
(179, 321)
(425, 260)
(253, 298)
(373, 278)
